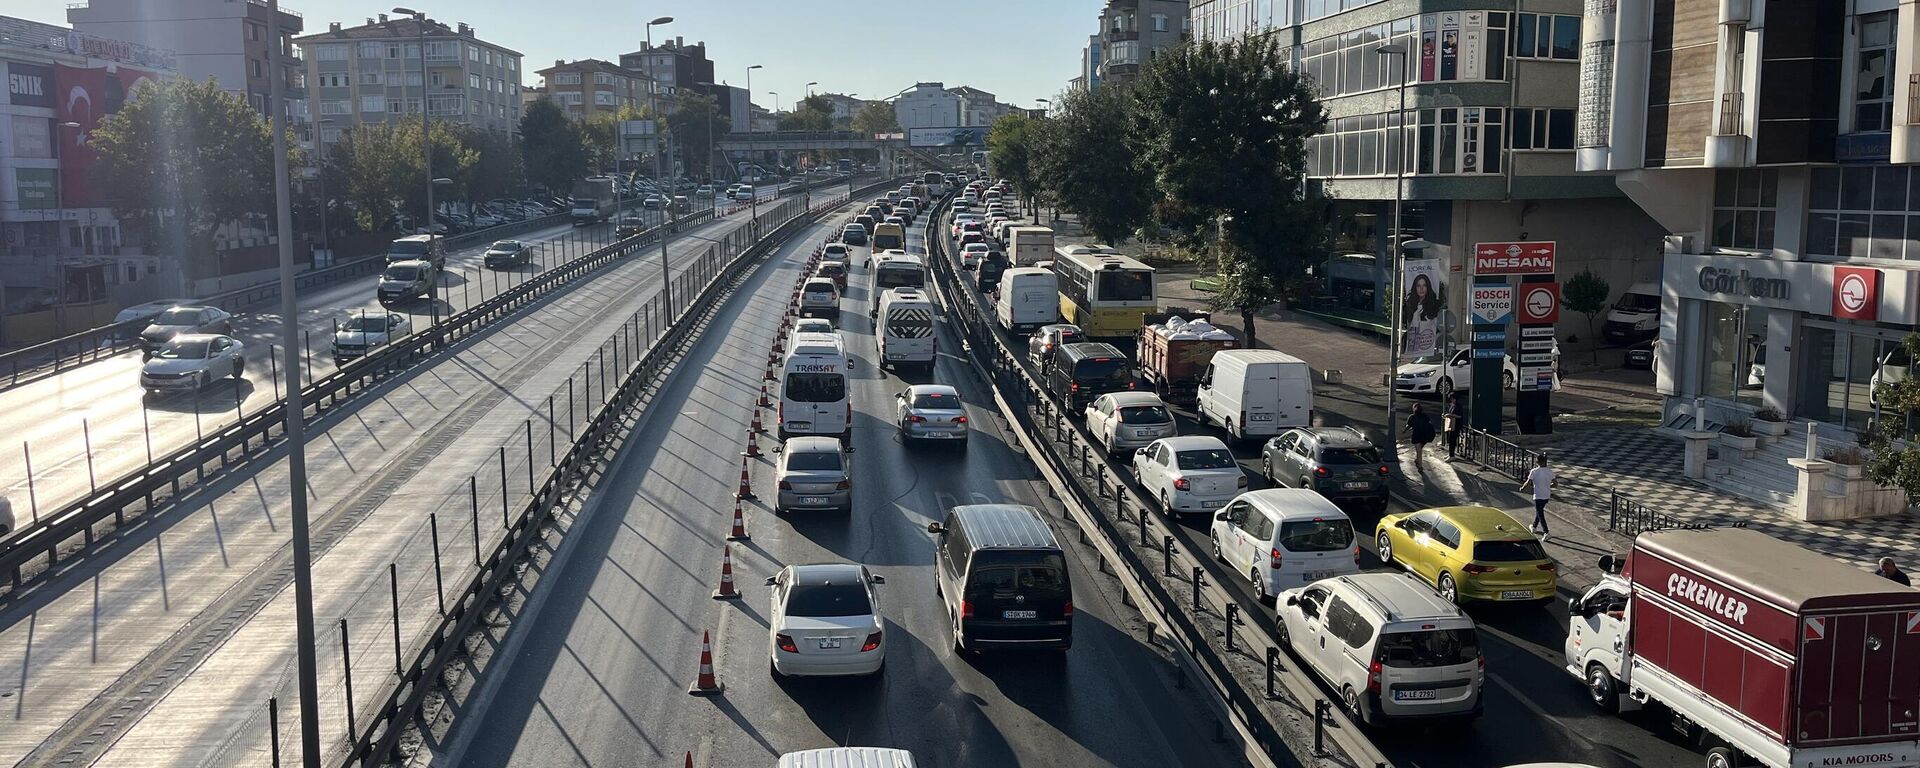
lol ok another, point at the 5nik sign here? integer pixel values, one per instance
(1527, 258)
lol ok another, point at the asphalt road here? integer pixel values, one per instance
(1535, 710)
(595, 667)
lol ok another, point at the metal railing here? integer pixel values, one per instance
(1494, 453)
(1627, 516)
(1732, 120)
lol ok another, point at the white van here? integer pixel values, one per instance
(1029, 298)
(1255, 392)
(1028, 246)
(814, 396)
(904, 329)
(1634, 316)
(1281, 538)
(848, 757)
(1389, 645)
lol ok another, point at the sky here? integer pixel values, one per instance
(1017, 50)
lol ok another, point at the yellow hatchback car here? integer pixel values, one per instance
(1469, 553)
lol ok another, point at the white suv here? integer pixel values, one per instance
(1390, 646)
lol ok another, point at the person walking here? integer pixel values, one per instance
(1455, 422)
(1891, 572)
(1542, 480)
(1420, 431)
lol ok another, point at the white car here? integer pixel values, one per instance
(1191, 474)
(960, 220)
(191, 361)
(971, 255)
(1123, 420)
(364, 333)
(826, 621)
(1427, 376)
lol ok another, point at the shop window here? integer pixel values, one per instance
(1736, 353)
(1873, 72)
(1863, 212)
(1743, 208)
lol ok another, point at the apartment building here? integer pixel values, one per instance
(373, 73)
(1133, 32)
(591, 87)
(933, 105)
(674, 65)
(226, 40)
(1485, 143)
(1772, 142)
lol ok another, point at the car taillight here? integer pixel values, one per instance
(1133, 384)
(1073, 386)
(1383, 470)
(1476, 568)
(785, 486)
(872, 643)
(1356, 555)
(785, 643)
(1547, 567)
(959, 419)
(1182, 484)
(1066, 611)
(1240, 482)
(1373, 677)
(1320, 472)
(1274, 559)
(844, 484)
(966, 609)
(916, 418)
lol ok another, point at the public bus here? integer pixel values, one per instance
(1103, 291)
(936, 184)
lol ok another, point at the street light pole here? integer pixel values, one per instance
(426, 142)
(1394, 258)
(294, 410)
(659, 149)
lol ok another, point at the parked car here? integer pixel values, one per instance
(1338, 462)
(1386, 645)
(363, 333)
(184, 320)
(825, 621)
(191, 361)
(1641, 355)
(508, 253)
(1188, 474)
(1123, 421)
(1468, 553)
(930, 412)
(148, 310)
(1427, 375)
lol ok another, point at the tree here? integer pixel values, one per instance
(181, 158)
(1010, 152)
(599, 140)
(550, 147)
(813, 113)
(876, 117)
(1586, 293)
(383, 167)
(1088, 164)
(1223, 126)
(1894, 461)
(696, 127)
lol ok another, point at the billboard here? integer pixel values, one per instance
(1522, 258)
(84, 96)
(1424, 284)
(963, 136)
(29, 85)
(34, 188)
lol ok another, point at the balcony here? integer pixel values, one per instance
(1727, 145)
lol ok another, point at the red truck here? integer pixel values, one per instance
(1764, 652)
(1173, 366)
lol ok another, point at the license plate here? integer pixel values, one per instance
(1262, 417)
(1356, 486)
(1211, 503)
(813, 499)
(799, 426)
(1415, 695)
(1143, 433)
(829, 644)
(1318, 575)
(1517, 594)
(1019, 614)
(895, 356)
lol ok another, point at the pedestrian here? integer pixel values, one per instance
(1542, 480)
(1420, 431)
(1454, 422)
(1891, 572)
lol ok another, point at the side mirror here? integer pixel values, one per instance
(878, 579)
(1400, 523)
(936, 528)
(1220, 516)
(1139, 451)
(770, 580)
(1573, 607)
(1610, 564)
(1292, 600)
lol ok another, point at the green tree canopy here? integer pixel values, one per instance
(1586, 293)
(553, 152)
(382, 168)
(876, 117)
(181, 158)
(696, 127)
(1012, 146)
(813, 113)
(1089, 165)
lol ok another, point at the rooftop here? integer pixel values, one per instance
(384, 28)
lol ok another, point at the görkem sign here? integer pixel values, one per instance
(1742, 283)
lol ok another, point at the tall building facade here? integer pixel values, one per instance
(674, 65)
(1772, 143)
(372, 73)
(1133, 32)
(227, 40)
(1485, 144)
(934, 105)
(590, 87)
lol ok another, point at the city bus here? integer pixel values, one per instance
(1103, 291)
(936, 184)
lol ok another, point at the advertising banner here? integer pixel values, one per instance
(35, 188)
(1473, 29)
(1449, 46)
(962, 136)
(29, 85)
(1492, 304)
(1528, 258)
(1422, 307)
(1429, 49)
(84, 96)
(1539, 303)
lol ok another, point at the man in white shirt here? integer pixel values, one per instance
(1542, 480)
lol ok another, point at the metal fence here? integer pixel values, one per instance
(1494, 453)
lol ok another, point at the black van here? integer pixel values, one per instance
(988, 273)
(1003, 578)
(1087, 370)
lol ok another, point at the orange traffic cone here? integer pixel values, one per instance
(765, 402)
(726, 590)
(770, 375)
(753, 444)
(746, 482)
(778, 346)
(739, 524)
(757, 426)
(706, 684)
(689, 760)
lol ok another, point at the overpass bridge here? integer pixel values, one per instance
(810, 141)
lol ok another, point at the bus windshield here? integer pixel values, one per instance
(1126, 285)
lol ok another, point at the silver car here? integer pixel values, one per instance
(931, 412)
(813, 474)
(192, 361)
(184, 320)
(364, 333)
(1125, 420)
(1046, 338)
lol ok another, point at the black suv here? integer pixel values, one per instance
(1338, 462)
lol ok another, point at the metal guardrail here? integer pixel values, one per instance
(47, 533)
(1627, 516)
(1496, 454)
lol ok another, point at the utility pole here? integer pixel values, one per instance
(659, 150)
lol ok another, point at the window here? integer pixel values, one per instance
(473, 81)
(1448, 142)
(1860, 212)
(1543, 129)
(1743, 207)
(815, 387)
(512, 63)
(1347, 624)
(411, 78)
(1124, 52)
(370, 77)
(439, 79)
(605, 98)
(253, 31)
(603, 78)
(566, 78)
(330, 53)
(1546, 36)
(1873, 73)
(330, 135)
(373, 103)
(1159, 22)
(395, 106)
(335, 107)
(443, 50)
(373, 49)
(486, 57)
(253, 65)
(451, 104)
(473, 53)
(333, 79)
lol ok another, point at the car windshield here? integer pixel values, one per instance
(1637, 302)
(184, 350)
(1316, 535)
(1206, 458)
(506, 245)
(178, 317)
(402, 273)
(365, 324)
(816, 600)
(407, 247)
(1521, 551)
(937, 401)
(1097, 368)
(815, 387)
(1349, 457)
(813, 461)
(1428, 648)
(1145, 414)
(900, 276)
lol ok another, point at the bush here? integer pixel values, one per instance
(1738, 427)
(1851, 455)
(1769, 413)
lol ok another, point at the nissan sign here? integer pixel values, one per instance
(1529, 258)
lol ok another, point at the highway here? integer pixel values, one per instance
(1535, 710)
(593, 667)
(163, 646)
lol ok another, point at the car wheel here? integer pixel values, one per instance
(1446, 388)
(1259, 586)
(1231, 435)
(1350, 698)
(1304, 482)
(1449, 591)
(1166, 507)
(1384, 544)
(1217, 555)
(1602, 689)
(1506, 379)
(1722, 757)
(1266, 468)
(1281, 635)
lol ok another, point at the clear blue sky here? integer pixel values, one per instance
(1014, 49)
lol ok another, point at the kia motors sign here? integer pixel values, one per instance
(1530, 258)
(1539, 303)
(1856, 293)
(1492, 304)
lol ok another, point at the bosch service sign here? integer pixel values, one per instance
(1539, 303)
(1530, 258)
(1856, 293)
